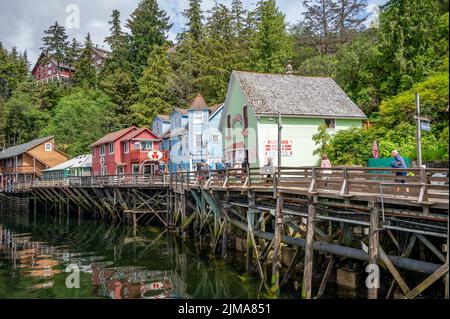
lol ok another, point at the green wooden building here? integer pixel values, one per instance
(249, 120)
(78, 166)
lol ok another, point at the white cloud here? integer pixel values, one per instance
(23, 22)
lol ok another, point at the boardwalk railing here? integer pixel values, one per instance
(419, 185)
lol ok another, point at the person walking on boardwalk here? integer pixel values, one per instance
(268, 168)
(399, 162)
(325, 164)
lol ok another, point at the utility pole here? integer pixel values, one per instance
(418, 132)
(280, 127)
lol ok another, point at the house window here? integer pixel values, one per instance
(126, 147)
(48, 147)
(215, 138)
(135, 169)
(104, 171)
(102, 150)
(111, 148)
(245, 112)
(198, 140)
(146, 145)
(330, 123)
(229, 121)
(119, 170)
(198, 117)
(137, 145)
(93, 152)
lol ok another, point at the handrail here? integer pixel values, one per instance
(420, 184)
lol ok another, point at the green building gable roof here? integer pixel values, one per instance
(292, 95)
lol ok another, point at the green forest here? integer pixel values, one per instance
(380, 65)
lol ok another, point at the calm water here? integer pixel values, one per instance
(34, 255)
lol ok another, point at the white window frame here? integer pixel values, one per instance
(104, 171)
(111, 146)
(331, 125)
(102, 149)
(126, 147)
(214, 137)
(198, 117)
(197, 141)
(48, 147)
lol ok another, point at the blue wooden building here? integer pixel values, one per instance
(193, 135)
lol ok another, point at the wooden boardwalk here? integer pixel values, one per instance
(307, 209)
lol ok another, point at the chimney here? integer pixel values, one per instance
(289, 68)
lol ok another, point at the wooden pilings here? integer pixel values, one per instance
(309, 250)
(373, 250)
(250, 225)
(279, 224)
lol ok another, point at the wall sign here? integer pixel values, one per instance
(102, 161)
(271, 148)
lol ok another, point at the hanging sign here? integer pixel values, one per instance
(155, 155)
(425, 126)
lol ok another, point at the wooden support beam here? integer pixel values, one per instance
(430, 245)
(428, 282)
(326, 277)
(224, 239)
(372, 292)
(394, 272)
(250, 223)
(276, 261)
(309, 251)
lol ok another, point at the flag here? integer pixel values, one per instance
(375, 151)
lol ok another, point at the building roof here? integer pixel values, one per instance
(131, 135)
(214, 109)
(164, 118)
(182, 111)
(198, 103)
(111, 137)
(82, 161)
(101, 52)
(296, 95)
(22, 148)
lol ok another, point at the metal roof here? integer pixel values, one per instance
(22, 148)
(296, 95)
(82, 161)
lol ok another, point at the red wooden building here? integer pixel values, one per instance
(48, 69)
(126, 152)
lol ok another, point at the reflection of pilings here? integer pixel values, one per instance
(354, 253)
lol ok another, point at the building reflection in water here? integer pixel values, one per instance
(43, 262)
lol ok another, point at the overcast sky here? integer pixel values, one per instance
(22, 22)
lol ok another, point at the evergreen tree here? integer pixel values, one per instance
(194, 15)
(153, 88)
(117, 37)
(410, 42)
(55, 43)
(73, 52)
(319, 21)
(271, 46)
(349, 18)
(85, 72)
(148, 26)
(219, 53)
(238, 17)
